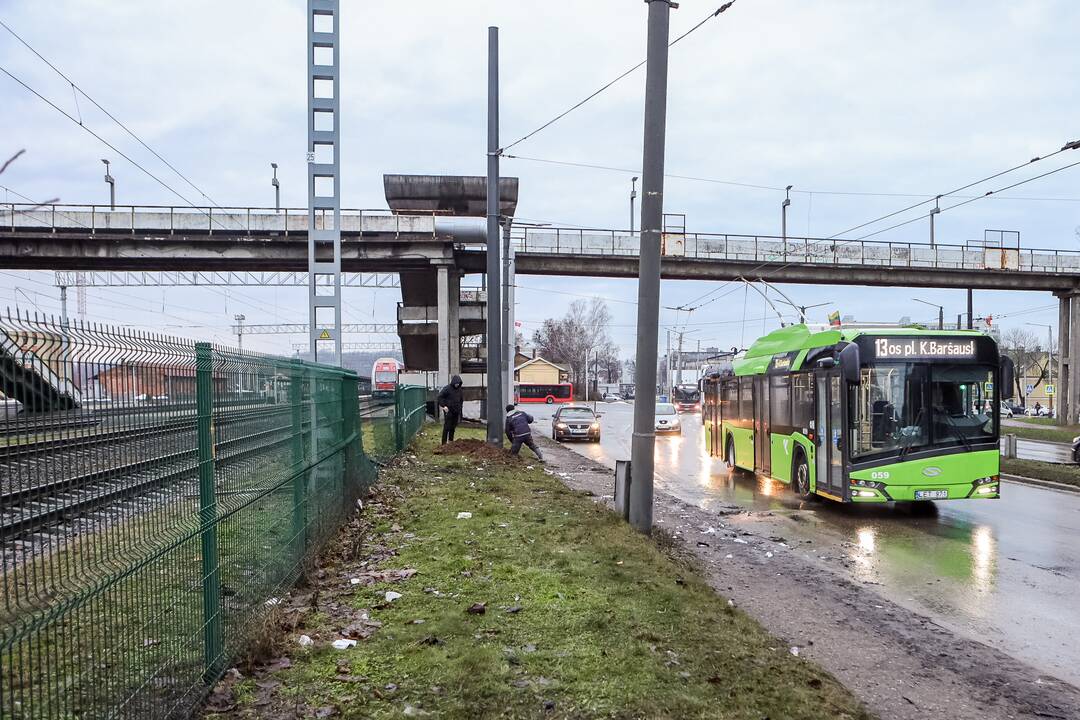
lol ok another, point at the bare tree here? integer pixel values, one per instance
(583, 330)
(1028, 357)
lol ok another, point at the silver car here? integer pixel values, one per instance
(667, 418)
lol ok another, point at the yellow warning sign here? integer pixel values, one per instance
(325, 335)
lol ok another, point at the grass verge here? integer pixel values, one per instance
(573, 615)
(1041, 429)
(1056, 472)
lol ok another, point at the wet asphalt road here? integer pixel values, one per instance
(1005, 572)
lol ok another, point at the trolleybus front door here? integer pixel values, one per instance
(829, 463)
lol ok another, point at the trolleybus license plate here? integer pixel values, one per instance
(931, 494)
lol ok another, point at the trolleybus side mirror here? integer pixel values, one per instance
(1008, 378)
(826, 363)
(849, 362)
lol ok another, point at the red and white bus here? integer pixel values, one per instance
(540, 393)
(384, 377)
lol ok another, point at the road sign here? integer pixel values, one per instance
(1028, 389)
(325, 335)
(1050, 390)
(989, 387)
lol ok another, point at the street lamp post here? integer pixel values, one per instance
(783, 213)
(941, 312)
(277, 189)
(633, 196)
(240, 346)
(1049, 361)
(112, 185)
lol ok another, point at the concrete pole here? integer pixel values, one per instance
(971, 317)
(1064, 361)
(648, 320)
(63, 305)
(678, 366)
(508, 315)
(495, 405)
(1050, 364)
(667, 366)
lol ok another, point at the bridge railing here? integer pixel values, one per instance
(772, 250)
(208, 220)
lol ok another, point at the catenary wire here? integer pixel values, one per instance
(574, 107)
(75, 87)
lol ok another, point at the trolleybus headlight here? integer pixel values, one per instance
(986, 480)
(865, 493)
(986, 490)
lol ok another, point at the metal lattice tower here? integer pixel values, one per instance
(324, 181)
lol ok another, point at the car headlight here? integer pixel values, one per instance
(560, 426)
(596, 426)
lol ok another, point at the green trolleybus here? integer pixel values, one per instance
(864, 414)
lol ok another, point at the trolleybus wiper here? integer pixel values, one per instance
(956, 431)
(910, 438)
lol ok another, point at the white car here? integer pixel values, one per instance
(1041, 412)
(667, 418)
(1006, 411)
(609, 397)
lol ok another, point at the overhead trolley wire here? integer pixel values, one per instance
(574, 107)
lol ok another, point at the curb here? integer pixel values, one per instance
(1050, 484)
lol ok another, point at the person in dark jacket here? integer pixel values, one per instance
(519, 433)
(450, 400)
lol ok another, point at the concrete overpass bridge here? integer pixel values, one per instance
(431, 251)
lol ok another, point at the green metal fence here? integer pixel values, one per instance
(157, 497)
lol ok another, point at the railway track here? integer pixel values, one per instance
(28, 450)
(35, 508)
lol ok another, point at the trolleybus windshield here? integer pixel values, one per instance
(903, 407)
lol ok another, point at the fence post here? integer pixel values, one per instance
(399, 440)
(349, 416)
(296, 411)
(204, 407)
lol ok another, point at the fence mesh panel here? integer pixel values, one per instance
(157, 497)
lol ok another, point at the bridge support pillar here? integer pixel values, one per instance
(1068, 384)
(449, 299)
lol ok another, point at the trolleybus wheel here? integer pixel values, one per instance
(800, 484)
(549, 400)
(729, 454)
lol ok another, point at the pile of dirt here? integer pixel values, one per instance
(477, 449)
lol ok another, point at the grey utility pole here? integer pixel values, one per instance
(648, 319)
(933, 212)
(324, 177)
(678, 366)
(112, 185)
(633, 196)
(971, 318)
(508, 335)
(495, 405)
(277, 189)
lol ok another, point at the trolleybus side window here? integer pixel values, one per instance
(802, 400)
(780, 401)
(746, 399)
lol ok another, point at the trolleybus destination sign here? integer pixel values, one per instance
(903, 348)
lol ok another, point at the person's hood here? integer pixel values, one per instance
(456, 381)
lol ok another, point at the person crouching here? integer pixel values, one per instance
(519, 433)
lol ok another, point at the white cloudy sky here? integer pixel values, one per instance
(839, 96)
